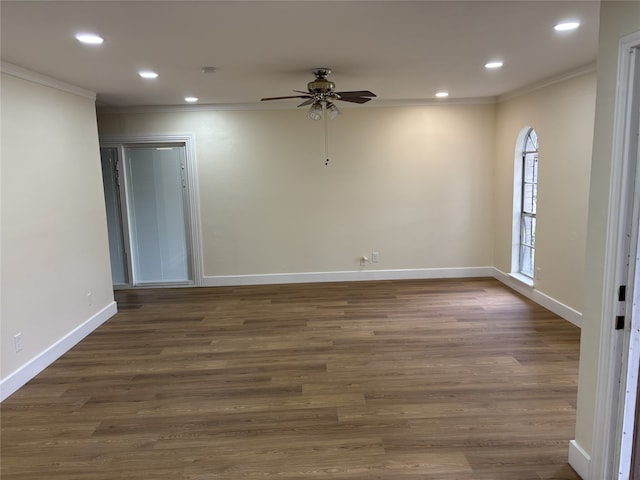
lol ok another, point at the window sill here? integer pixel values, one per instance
(528, 281)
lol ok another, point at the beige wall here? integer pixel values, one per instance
(54, 240)
(413, 183)
(421, 185)
(616, 20)
(562, 115)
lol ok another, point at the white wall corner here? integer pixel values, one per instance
(579, 460)
(540, 298)
(12, 382)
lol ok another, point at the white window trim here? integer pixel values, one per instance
(517, 208)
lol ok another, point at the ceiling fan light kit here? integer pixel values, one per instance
(321, 95)
(315, 112)
(332, 111)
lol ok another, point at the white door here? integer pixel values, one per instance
(156, 204)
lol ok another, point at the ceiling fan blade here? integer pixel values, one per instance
(307, 102)
(354, 99)
(359, 93)
(283, 98)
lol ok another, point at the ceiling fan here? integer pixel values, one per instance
(321, 95)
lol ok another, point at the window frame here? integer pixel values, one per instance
(520, 151)
(528, 213)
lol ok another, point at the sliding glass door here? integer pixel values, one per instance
(147, 212)
(157, 220)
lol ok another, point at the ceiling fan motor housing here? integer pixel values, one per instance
(321, 85)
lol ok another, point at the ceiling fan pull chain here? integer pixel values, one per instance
(326, 134)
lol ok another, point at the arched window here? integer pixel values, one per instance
(528, 196)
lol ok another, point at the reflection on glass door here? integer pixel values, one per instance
(157, 219)
(153, 220)
(111, 183)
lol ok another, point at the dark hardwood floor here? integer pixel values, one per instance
(397, 380)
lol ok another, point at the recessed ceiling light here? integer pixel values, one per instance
(496, 64)
(442, 94)
(191, 99)
(89, 38)
(565, 26)
(148, 74)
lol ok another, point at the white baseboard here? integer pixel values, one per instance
(540, 298)
(33, 367)
(579, 460)
(347, 276)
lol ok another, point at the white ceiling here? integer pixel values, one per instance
(402, 51)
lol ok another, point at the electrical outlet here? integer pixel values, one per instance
(375, 257)
(89, 299)
(17, 342)
(538, 273)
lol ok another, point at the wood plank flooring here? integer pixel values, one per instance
(390, 380)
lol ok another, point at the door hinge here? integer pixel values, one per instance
(621, 307)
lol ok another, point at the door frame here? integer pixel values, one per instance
(630, 363)
(618, 360)
(193, 204)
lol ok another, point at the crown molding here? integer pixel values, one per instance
(39, 78)
(289, 106)
(29, 75)
(420, 102)
(547, 82)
